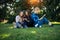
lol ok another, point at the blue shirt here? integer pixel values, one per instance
(34, 17)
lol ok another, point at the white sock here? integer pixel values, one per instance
(36, 25)
(40, 26)
(49, 23)
(14, 24)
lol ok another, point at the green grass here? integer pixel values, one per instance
(7, 32)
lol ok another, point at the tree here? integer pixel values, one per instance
(10, 8)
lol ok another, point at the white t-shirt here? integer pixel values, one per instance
(18, 19)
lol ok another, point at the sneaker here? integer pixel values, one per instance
(49, 23)
(14, 24)
(40, 26)
(36, 25)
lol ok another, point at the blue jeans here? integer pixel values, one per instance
(17, 24)
(43, 21)
(22, 24)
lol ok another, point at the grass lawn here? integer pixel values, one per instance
(7, 32)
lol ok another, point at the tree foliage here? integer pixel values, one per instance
(10, 8)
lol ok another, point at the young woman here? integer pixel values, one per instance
(27, 17)
(20, 20)
(38, 22)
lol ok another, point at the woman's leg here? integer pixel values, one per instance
(25, 24)
(41, 22)
(18, 25)
(45, 20)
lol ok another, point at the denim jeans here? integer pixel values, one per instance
(19, 24)
(43, 21)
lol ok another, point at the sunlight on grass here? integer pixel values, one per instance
(55, 22)
(34, 32)
(5, 35)
(11, 27)
(5, 21)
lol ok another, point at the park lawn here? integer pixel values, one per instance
(7, 32)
